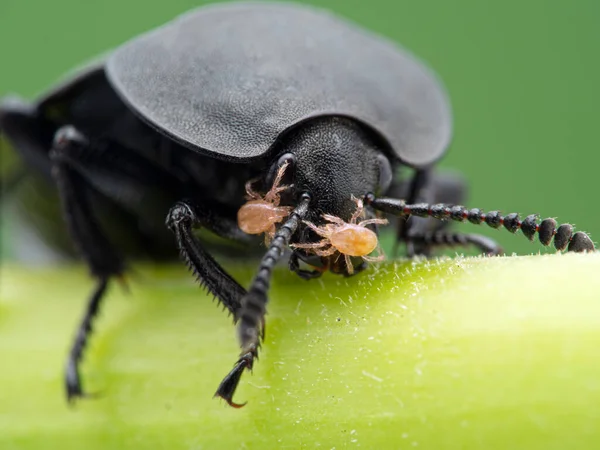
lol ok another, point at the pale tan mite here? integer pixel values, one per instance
(347, 238)
(260, 214)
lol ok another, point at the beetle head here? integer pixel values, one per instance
(336, 161)
(335, 158)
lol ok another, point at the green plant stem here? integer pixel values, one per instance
(457, 353)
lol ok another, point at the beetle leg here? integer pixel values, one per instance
(72, 375)
(359, 268)
(27, 133)
(417, 192)
(294, 265)
(447, 188)
(182, 218)
(29, 136)
(253, 310)
(443, 238)
(444, 187)
(94, 247)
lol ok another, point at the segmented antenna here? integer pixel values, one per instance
(547, 230)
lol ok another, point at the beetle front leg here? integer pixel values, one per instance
(181, 220)
(69, 146)
(253, 310)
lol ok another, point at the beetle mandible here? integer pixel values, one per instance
(275, 119)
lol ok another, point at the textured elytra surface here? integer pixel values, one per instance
(475, 353)
(231, 78)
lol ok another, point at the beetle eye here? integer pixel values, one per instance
(385, 173)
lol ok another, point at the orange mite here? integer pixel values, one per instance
(260, 214)
(347, 238)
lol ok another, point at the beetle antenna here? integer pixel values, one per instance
(547, 229)
(251, 316)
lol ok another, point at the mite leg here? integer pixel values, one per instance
(253, 310)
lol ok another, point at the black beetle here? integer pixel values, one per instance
(186, 120)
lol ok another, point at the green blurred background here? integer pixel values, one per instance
(523, 76)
